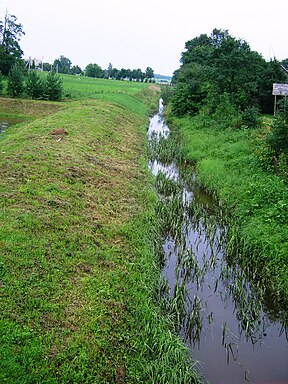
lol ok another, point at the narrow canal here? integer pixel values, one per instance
(221, 316)
(3, 126)
(7, 122)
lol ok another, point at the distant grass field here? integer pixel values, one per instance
(128, 94)
(78, 270)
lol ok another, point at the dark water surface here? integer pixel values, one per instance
(8, 122)
(227, 326)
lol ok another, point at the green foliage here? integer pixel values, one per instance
(94, 70)
(10, 51)
(228, 166)
(15, 81)
(251, 117)
(221, 64)
(278, 139)
(221, 110)
(167, 92)
(53, 87)
(190, 90)
(77, 243)
(76, 70)
(62, 65)
(34, 85)
(1, 83)
(149, 73)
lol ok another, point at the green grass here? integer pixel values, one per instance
(78, 270)
(229, 166)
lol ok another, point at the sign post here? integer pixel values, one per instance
(279, 90)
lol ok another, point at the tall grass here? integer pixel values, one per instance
(78, 271)
(228, 166)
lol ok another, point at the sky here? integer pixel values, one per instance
(137, 34)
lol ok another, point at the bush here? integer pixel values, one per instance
(278, 139)
(251, 117)
(167, 92)
(225, 113)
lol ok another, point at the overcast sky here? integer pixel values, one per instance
(136, 34)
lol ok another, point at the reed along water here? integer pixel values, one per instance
(223, 318)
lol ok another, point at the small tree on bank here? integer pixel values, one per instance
(34, 86)
(15, 81)
(53, 87)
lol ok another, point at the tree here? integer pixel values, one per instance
(149, 73)
(109, 70)
(15, 81)
(76, 70)
(34, 85)
(53, 87)
(221, 64)
(137, 74)
(46, 67)
(271, 73)
(10, 51)
(114, 73)
(190, 91)
(94, 70)
(62, 65)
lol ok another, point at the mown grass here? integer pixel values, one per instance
(228, 164)
(78, 270)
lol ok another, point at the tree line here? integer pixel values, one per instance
(64, 65)
(220, 65)
(222, 79)
(22, 79)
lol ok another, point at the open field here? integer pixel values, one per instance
(78, 271)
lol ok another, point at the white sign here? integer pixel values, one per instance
(280, 89)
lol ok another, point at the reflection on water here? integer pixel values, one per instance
(3, 126)
(218, 311)
(9, 121)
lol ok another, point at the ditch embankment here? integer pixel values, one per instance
(78, 272)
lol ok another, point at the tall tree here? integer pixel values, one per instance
(221, 64)
(62, 65)
(76, 70)
(149, 73)
(94, 70)
(109, 70)
(10, 51)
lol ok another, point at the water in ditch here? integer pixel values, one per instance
(6, 122)
(221, 315)
(3, 126)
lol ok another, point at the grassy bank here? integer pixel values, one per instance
(257, 201)
(78, 271)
